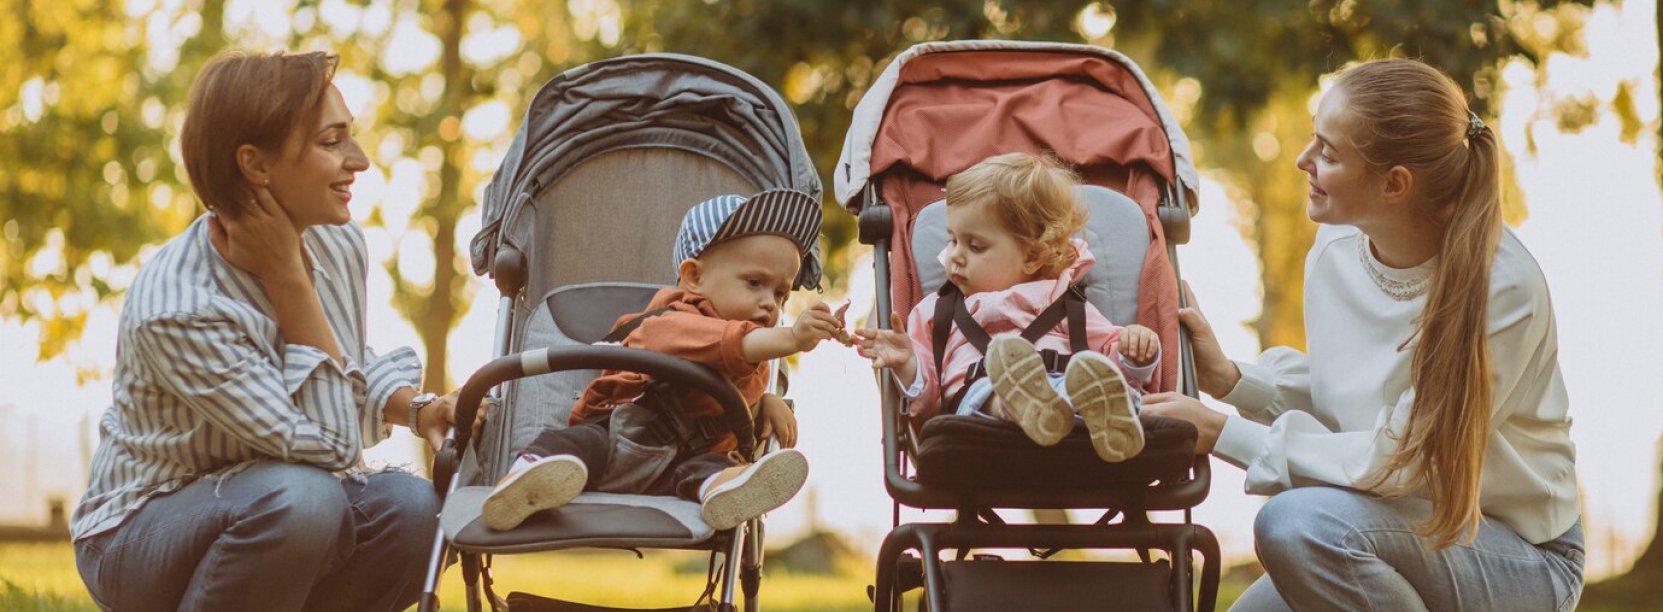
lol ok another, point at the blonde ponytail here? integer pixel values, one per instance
(1417, 118)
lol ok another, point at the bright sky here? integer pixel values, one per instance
(1594, 226)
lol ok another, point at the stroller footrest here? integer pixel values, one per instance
(526, 602)
(978, 453)
(1057, 585)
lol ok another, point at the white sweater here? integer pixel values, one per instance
(1332, 417)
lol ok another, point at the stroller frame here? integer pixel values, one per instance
(861, 177)
(976, 525)
(718, 130)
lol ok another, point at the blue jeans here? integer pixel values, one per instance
(976, 399)
(276, 536)
(1336, 549)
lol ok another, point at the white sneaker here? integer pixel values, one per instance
(549, 482)
(1100, 394)
(1021, 383)
(744, 492)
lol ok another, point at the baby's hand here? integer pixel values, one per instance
(776, 418)
(843, 335)
(815, 324)
(1139, 345)
(887, 348)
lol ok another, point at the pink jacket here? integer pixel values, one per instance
(1008, 310)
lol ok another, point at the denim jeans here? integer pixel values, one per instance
(624, 456)
(1335, 549)
(275, 536)
(976, 399)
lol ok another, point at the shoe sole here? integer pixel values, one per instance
(767, 485)
(1099, 393)
(1020, 381)
(540, 487)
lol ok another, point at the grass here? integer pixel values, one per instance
(664, 578)
(42, 577)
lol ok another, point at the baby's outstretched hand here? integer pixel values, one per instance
(1139, 345)
(815, 324)
(887, 348)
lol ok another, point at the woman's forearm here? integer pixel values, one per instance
(300, 314)
(1218, 380)
(397, 409)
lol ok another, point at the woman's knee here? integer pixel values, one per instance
(299, 499)
(1297, 526)
(406, 505)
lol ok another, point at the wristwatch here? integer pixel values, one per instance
(417, 403)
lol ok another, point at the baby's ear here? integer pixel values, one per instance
(1032, 258)
(688, 272)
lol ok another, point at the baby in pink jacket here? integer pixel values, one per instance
(1010, 224)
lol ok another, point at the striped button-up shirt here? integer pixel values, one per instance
(204, 383)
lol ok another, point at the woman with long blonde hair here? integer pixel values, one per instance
(1419, 454)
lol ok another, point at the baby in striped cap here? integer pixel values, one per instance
(737, 259)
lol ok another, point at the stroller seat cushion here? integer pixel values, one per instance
(593, 520)
(979, 452)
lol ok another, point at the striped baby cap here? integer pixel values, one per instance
(781, 212)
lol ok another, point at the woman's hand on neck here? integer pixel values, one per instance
(263, 242)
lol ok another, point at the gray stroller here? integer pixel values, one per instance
(578, 227)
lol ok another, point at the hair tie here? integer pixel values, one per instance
(1474, 124)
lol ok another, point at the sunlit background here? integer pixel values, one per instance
(1589, 195)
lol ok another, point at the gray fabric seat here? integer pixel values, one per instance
(569, 316)
(603, 520)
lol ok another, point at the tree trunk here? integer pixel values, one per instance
(439, 315)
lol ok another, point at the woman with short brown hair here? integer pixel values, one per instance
(229, 473)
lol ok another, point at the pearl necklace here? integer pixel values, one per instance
(1401, 290)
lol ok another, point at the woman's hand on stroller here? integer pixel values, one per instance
(888, 348)
(1215, 374)
(437, 418)
(776, 418)
(1208, 423)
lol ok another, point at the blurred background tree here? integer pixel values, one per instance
(91, 95)
(93, 106)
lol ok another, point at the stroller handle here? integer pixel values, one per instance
(564, 358)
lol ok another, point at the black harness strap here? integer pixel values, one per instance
(623, 331)
(950, 308)
(691, 436)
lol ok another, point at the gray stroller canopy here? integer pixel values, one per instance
(657, 100)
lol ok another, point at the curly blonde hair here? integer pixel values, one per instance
(1033, 198)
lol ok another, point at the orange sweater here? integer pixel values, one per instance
(691, 330)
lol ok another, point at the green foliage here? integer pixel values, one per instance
(84, 118)
(92, 171)
(1252, 67)
(1255, 67)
